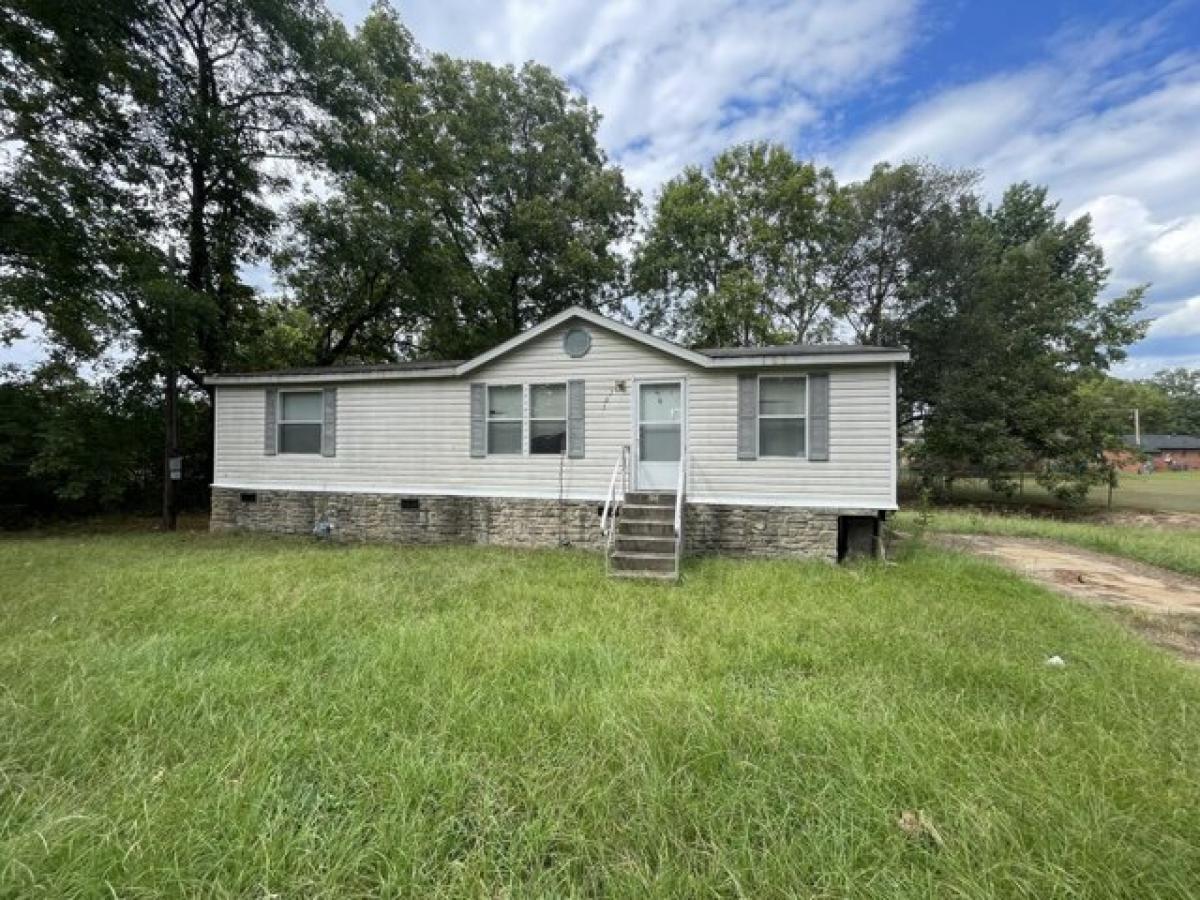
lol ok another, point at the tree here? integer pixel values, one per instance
(889, 225)
(739, 255)
(1115, 400)
(70, 445)
(67, 228)
(524, 195)
(1004, 344)
(364, 272)
(470, 202)
(138, 128)
(1182, 389)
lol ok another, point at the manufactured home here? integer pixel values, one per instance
(581, 431)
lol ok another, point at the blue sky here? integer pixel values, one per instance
(1098, 100)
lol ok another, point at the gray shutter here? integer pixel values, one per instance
(747, 417)
(575, 419)
(329, 432)
(270, 432)
(479, 420)
(818, 417)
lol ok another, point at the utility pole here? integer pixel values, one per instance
(1137, 428)
(171, 470)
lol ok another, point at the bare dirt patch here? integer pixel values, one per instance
(1164, 606)
(1161, 520)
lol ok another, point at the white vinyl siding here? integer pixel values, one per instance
(412, 436)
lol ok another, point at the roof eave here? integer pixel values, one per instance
(697, 359)
(811, 359)
(250, 379)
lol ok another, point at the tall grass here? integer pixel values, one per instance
(193, 715)
(1172, 548)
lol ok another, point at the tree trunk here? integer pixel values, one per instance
(199, 261)
(514, 302)
(170, 447)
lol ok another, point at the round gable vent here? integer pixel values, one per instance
(577, 342)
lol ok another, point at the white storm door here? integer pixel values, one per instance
(659, 437)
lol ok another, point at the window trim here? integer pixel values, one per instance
(488, 420)
(530, 418)
(759, 415)
(280, 421)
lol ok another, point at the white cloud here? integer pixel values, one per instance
(1173, 341)
(1145, 365)
(1182, 320)
(676, 81)
(1179, 245)
(1139, 247)
(1115, 141)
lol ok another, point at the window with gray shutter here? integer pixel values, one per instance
(747, 416)
(301, 421)
(575, 419)
(818, 417)
(270, 408)
(329, 433)
(781, 415)
(478, 420)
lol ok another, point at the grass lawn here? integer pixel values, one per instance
(1177, 549)
(227, 716)
(1167, 491)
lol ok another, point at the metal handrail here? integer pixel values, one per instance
(680, 484)
(606, 520)
(620, 468)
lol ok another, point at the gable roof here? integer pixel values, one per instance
(422, 366)
(800, 350)
(716, 357)
(1155, 443)
(577, 312)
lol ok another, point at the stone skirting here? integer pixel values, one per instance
(516, 522)
(437, 519)
(761, 531)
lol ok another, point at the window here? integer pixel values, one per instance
(504, 418)
(782, 406)
(547, 418)
(300, 421)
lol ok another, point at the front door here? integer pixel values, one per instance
(658, 434)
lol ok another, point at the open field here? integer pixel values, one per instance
(1171, 491)
(192, 714)
(1177, 549)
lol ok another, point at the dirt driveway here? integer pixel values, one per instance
(1162, 605)
(1160, 520)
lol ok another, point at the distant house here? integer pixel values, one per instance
(1166, 452)
(545, 439)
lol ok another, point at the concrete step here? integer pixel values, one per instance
(654, 576)
(637, 512)
(631, 528)
(640, 544)
(651, 498)
(631, 561)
